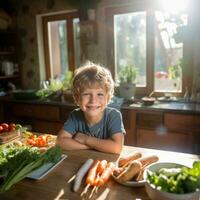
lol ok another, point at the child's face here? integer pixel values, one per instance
(93, 101)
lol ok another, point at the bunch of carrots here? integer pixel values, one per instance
(97, 174)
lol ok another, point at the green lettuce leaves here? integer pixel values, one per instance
(181, 181)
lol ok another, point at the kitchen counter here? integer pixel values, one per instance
(54, 186)
(165, 125)
(180, 107)
(184, 107)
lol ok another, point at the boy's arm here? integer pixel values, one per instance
(66, 142)
(112, 145)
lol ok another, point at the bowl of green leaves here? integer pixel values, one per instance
(172, 181)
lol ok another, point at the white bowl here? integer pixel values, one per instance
(130, 183)
(156, 194)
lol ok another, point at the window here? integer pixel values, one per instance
(168, 51)
(61, 43)
(130, 42)
(151, 39)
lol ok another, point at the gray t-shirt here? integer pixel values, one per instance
(110, 124)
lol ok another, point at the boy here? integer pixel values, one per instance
(93, 125)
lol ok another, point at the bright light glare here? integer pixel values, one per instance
(175, 6)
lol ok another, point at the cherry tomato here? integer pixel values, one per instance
(5, 126)
(1, 129)
(11, 127)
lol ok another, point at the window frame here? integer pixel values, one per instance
(70, 39)
(150, 44)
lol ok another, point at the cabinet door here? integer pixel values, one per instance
(46, 127)
(129, 120)
(171, 141)
(182, 122)
(65, 111)
(36, 111)
(149, 119)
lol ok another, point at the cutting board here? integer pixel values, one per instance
(9, 136)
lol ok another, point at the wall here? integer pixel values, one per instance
(27, 11)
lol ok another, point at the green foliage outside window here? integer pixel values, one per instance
(175, 71)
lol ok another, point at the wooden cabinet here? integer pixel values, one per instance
(182, 123)
(168, 131)
(172, 141)
(157, 129)
(129, 120)
(37, 111)
(186, 124)
(149, 119)
(43, 126)
(42, 118)
(9, 58)
(64, 112)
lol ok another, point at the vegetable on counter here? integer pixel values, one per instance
(38, 141)
(124, 161)
(5, 127)
(133, 166)
(44, 140)
(98, 175)
(176, 180)
(81, 174)
(16, 162)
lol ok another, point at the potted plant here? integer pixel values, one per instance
(127, 78)
(55, 88)
(67, 93)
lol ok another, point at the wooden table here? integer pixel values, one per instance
(54, 186)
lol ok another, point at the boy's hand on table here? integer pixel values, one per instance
(80, 137)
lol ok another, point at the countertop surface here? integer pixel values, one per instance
(184, 107)
(55, 185)
(168, 106)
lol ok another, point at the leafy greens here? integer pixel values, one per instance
(185, 180)
(17, 162)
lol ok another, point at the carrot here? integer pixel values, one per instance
(95, 186)
(101, 167)
(92, 173)
(91, 176)
(106, 174)
(124, 161)
(101, 180)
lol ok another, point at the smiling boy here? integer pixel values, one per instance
(93, 125)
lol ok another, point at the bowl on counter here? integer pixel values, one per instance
(155, 193)
(130, 183)
(148, 101)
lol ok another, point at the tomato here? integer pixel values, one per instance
(1, 129)
(11, 127)
(5, 126)
(31, 142)
(37, 141)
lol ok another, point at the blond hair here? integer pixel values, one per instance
(89, 76)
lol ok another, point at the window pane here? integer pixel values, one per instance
(76, 26)
(57, 36)
(130, 43)
(169, 35)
